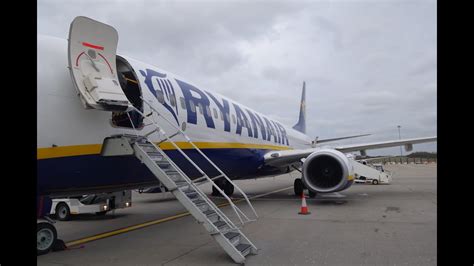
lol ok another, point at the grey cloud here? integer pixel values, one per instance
(424, 67)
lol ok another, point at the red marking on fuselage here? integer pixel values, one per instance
(103, 57)
(93, 46)
(77, 59)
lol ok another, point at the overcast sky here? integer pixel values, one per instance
(368, 65)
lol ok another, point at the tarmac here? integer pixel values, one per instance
(366, 224)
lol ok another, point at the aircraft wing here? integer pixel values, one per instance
(372, 159)
(340, 138)
(280, 158)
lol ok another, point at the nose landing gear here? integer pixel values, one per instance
(224, 185)
(298, 187)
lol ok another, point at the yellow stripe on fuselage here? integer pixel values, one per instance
(221, 145)
(66, 151)
(90, 149)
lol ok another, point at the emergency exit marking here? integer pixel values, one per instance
(93, 46)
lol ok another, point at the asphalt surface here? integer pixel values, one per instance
(365, 225)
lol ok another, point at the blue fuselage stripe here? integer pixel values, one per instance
(86, 171)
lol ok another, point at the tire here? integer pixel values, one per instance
(228, 188)
(298, 187)
(311, 194)
(62, 212)
(46, 236)
(215, 192)
(102, 213)
(375, 182)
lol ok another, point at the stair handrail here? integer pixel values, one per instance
(235, 208)
(202, 154)
(189, 181)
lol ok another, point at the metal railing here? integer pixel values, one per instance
(203, 196)
(204, 175)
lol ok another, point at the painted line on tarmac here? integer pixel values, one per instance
(142, 225)
(266, 194)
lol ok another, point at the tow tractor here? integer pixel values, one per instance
(374, 174)
(99, 204)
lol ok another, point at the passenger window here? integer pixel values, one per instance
(233, 118)
(208, 111)
(183, 104)
(193, 107)
(173, 100)
(200, 108)
(222, 115)
(215, 113)
(228, 118)
(160, 97)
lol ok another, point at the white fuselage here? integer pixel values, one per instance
(67, 132)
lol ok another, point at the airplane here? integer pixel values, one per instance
(88, 95)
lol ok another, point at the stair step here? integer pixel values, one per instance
(155, 151)
(171, 172)
(162, 163)
(231, 235)
(211, 215)
(209, 212)
(191, 194)
(146, 145)
(138, 139)
(199, 202)
(181, 183)
(243, 248)
(220, 224)
(177, 178)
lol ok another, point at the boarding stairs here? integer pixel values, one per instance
(220, 227)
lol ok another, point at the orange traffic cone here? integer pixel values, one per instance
(304, 208)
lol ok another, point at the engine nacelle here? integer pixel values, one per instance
(327, 170)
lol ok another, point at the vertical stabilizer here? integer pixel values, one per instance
(301, 124)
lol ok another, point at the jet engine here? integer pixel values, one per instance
(327, 170)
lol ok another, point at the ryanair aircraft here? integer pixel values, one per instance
(108, 122)
(76, 115)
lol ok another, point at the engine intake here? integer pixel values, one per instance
(327, 170)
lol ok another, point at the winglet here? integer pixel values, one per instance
(301, 124)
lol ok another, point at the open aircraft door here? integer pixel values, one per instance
(92, 48)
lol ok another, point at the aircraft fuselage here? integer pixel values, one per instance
(70, 137)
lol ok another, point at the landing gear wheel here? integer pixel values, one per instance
(224, 185)
(311, 194)
(298, 187)
(215, 192)
(228, 188)
(62, 212)
(375, 182)
(46, 235)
